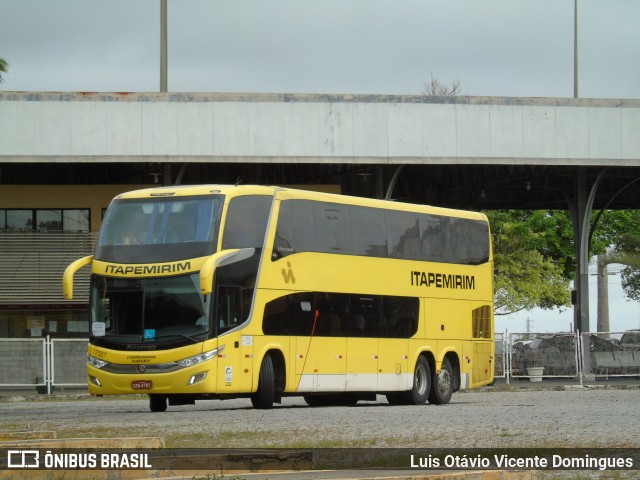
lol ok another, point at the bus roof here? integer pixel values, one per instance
(285, 193)
(193, 190)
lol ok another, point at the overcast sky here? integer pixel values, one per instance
(494, 47)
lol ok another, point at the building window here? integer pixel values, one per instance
(75, 220)
(48, 220)
(45, 220)
(19, 220)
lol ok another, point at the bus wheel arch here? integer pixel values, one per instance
(455, 364)
(421, 384)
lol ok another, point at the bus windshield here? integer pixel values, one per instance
(149, 311)
(155, 225)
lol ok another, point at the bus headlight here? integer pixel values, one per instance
(201, 357)
(96, 362)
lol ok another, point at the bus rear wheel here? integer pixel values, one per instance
(266, 392)
(157, 403)
(420, 392)
(442, 388)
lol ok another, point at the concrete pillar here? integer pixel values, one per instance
(580, 208)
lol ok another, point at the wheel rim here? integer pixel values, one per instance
(444, 381)
(421, 380)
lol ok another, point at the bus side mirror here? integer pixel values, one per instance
(69, 272)
(224, 257)
(206, 274)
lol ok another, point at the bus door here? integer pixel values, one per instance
(237, 356)
(479, 354)
(482, 346)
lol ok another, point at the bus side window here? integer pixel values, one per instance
(402, 316)
(435, 238)
(332, 228)
(329, 322)
(276, 316)
(295, 229)
(368, 231)
(403, 237)
(228, 314)
(289, 315)
(246, 222)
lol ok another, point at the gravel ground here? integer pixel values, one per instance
(559, 417)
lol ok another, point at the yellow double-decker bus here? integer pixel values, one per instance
(213, 292)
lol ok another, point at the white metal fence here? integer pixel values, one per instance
(47, 363)
(501, 358)
(44, 363)
(587, 356)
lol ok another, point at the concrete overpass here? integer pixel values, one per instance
(468, 152)
(264, 128)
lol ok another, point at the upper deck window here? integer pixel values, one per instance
(309, 226)
(246, 223)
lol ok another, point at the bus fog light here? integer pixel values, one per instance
(95, 381)
(198, 377)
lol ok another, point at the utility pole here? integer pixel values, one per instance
(166, 171)
(603, 296)
(163, 45)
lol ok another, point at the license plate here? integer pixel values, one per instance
(141, 384)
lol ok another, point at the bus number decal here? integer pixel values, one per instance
(98, 353)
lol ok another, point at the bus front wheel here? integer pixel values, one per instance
(266, 392)
(157, 403)
(442, 388)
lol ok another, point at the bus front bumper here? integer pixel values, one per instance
(198, 379)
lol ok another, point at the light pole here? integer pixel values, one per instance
(575, 48)
(163, 45)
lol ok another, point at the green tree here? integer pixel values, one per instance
(627, 252)
(4, 68)
(526, 274)
(535, 255)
